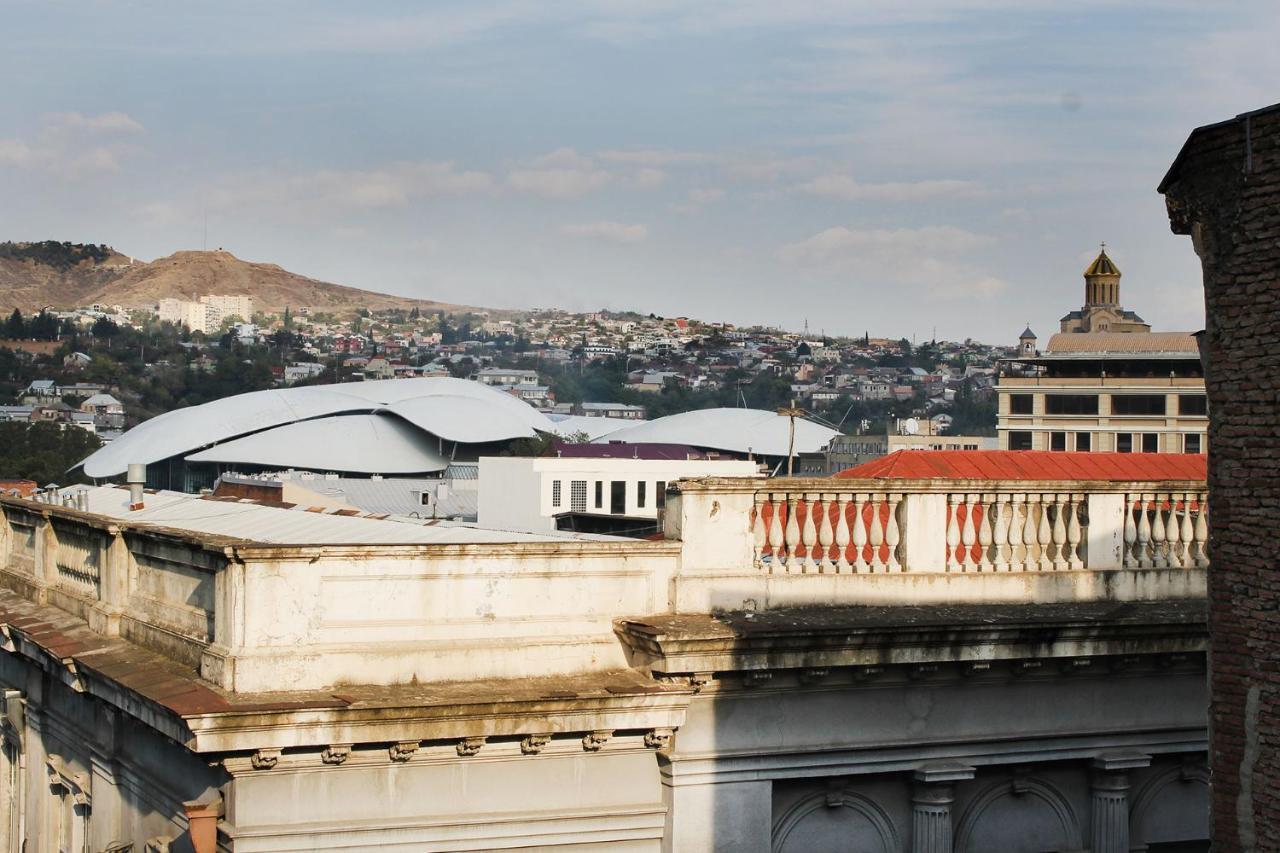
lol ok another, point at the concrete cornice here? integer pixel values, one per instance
(816, 638)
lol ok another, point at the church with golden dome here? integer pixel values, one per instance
(1102, 311)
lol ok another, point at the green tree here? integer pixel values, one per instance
(15, 328)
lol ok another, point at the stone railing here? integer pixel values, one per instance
(801, 541)
(1002, 530)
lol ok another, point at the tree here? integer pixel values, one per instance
(15, 328)
(104, 329)
(44, 451)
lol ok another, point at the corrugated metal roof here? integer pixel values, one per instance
(273, 525)
(1030, 465)
(1123, 342)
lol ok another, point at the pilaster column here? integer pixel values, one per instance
(931, 801)
(1110, 800)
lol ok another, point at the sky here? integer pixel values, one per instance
(899, 168)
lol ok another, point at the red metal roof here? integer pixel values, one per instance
(1030, 465)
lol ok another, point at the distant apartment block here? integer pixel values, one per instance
(206, 314)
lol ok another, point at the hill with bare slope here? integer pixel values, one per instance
(31, 279)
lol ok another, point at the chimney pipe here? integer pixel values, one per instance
(137, 478)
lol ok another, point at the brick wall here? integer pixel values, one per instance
(1224, 191)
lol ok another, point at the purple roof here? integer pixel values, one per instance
(627, 450)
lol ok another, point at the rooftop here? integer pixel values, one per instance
(1030, 465)
(1105, 343)
(252, 521)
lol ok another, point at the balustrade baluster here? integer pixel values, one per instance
(968, 533)
(1202, 533)
(1159, 548)
(793, 534)
(759, 530)
(953, 532)
(809, 534)
(893, 533)
(1029, 536)
(1001, 526)
(986, 533)
(1019, 509)
(1044, 533)
(1173, 534)
(1186, 534)
(859, 533)
(1145, 560)
(876, 535)
(1060, 563)
(1130, 534)
(1074, 560)
(825, 534)
(842, 534)
(775, 531)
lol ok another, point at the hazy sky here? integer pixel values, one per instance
(883, 166)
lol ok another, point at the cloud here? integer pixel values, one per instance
(846, 187)
(395, 185)
(611, 232)
(697, 198)
(15, 152)
(653, 156)
(884, 241)
(564, 173)
(112, 122)
(938, 260)
(70, 145)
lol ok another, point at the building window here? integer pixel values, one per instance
(1071, 404)
(1138, 404)
(599, 494)
(1192, 443)
(1022, 404)
(578, 496)
(1084, 441)
(1193, 404)
(1150, 442)
(1057, 441)
(1019, 440)
(660, 494)
(555, 494)
(1124, 442)
(640, 493)
(618, 497)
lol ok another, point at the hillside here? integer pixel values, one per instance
(30, 280)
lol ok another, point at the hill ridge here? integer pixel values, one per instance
(29, 284)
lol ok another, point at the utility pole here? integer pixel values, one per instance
(793, 411)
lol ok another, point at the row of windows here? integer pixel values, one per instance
(617, 504)
(1121, 404)
(1126, 442)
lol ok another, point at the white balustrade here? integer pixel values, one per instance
(809, 531)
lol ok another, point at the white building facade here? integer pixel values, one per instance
(529, 493)
(800, 665)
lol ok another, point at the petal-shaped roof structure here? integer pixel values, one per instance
(457, 410)
(362, 444)
(184, 430)
(736, 430)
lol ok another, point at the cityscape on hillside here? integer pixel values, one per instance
(700, 428)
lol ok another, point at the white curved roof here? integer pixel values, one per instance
(471, 420)
(735, 430)
(363, 444)
(468, 411)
